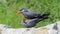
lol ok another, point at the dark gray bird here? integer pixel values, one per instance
(30, 14)
(32, 22)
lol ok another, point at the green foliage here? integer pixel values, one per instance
(8, 9)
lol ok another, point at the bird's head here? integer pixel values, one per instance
(22, 10)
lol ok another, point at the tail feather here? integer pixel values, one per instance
(45, 16)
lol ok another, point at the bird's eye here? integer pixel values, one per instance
(25, 10)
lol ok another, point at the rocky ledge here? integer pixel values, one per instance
(49, 29)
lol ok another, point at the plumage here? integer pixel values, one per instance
(32, 22)
(30, 14)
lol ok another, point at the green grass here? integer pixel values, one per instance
(8, 9)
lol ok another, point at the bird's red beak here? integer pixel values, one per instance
(18, 12)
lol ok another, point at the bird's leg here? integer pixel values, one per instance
(23, 20)
(27, 20)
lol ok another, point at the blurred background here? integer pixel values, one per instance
(8, 9)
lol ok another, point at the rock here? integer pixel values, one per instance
(49, 29)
